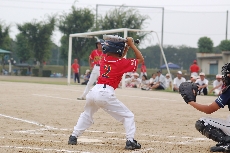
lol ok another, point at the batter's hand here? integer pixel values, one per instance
(130, 41)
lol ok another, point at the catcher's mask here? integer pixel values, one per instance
(225, 72)
(101, 41)
(113, 47)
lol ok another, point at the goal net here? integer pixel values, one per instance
(112, 31)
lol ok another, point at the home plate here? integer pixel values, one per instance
(88, 140)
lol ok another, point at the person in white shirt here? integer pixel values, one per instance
(160, 82)
(135, 81)
(177, 81)
(193, 78)
(152, 80)
(217, 85)
(202, 84)
(144, 83)
(168, 81)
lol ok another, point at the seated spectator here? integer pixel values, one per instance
(127, 80)
(86, 77)
(160, 81)
(152, 80)
(144, 83)
(217, 85)
(192, 79)
(168, 81)
(135, 81)
(177, 81)
(202, 84)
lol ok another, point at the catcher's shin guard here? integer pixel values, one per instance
(211, 132)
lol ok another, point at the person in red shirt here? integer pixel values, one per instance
(143, 70)
(102, 95)
(194, 68)
(94, 63)
(75, 67)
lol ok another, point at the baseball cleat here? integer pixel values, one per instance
(220, 148)
(72, 140)
(132, 145)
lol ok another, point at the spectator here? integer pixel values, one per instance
(217, 85)
(202, 84)
(152, 80)
(75, 67)
(160, 81)
(86, 77)
(135, 81)
(168, 81)
(177, 81)
(194, 68)
(143, 70)
(144, 83)
(192, 79)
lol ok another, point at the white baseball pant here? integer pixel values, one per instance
(218, 123)
(93, 78)
(99, 97)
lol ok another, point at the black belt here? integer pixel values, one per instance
(97, 64)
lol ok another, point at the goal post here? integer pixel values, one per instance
(95, 33)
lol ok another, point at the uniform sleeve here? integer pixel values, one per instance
(223, 99)
(91, 55)
(129, 65)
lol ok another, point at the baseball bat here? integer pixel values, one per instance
(117, 38)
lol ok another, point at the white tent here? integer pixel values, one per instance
(92, 34)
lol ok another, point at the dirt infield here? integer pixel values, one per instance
(40, 117)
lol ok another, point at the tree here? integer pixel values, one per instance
(23, 50)
(4, 36)
(225, 45)
(123, 17)
(79, 20)
(39, 35)
(5, 40)
(205, 45)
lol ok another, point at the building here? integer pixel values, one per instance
(211, 63)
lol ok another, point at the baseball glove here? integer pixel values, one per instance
(188, 91)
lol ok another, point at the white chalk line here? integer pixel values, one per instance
(45, 95)
(43, 149)
(108, 132)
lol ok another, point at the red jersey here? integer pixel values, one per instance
(75, 67)
(143, 68)
(194, 68)
(113, 68)
(96, 56)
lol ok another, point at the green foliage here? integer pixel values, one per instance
(23, 49)
(205, 45)
(39, 35)
(23, 72)
(123, 17)
(182, 56)
(4, 36)
(225, 45)
(35, 72)
(46, 73)
(79, 20)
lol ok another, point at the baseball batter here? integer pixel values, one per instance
(216, 129)
(102, 95)
(94, 62)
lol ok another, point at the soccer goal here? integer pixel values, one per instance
(96, 33)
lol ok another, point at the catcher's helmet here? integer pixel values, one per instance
(101, 41)
(113, 47)
(225, 71)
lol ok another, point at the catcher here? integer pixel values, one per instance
(213, 128)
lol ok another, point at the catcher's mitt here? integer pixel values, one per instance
(188, 91)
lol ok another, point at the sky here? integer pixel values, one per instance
(185, 21)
